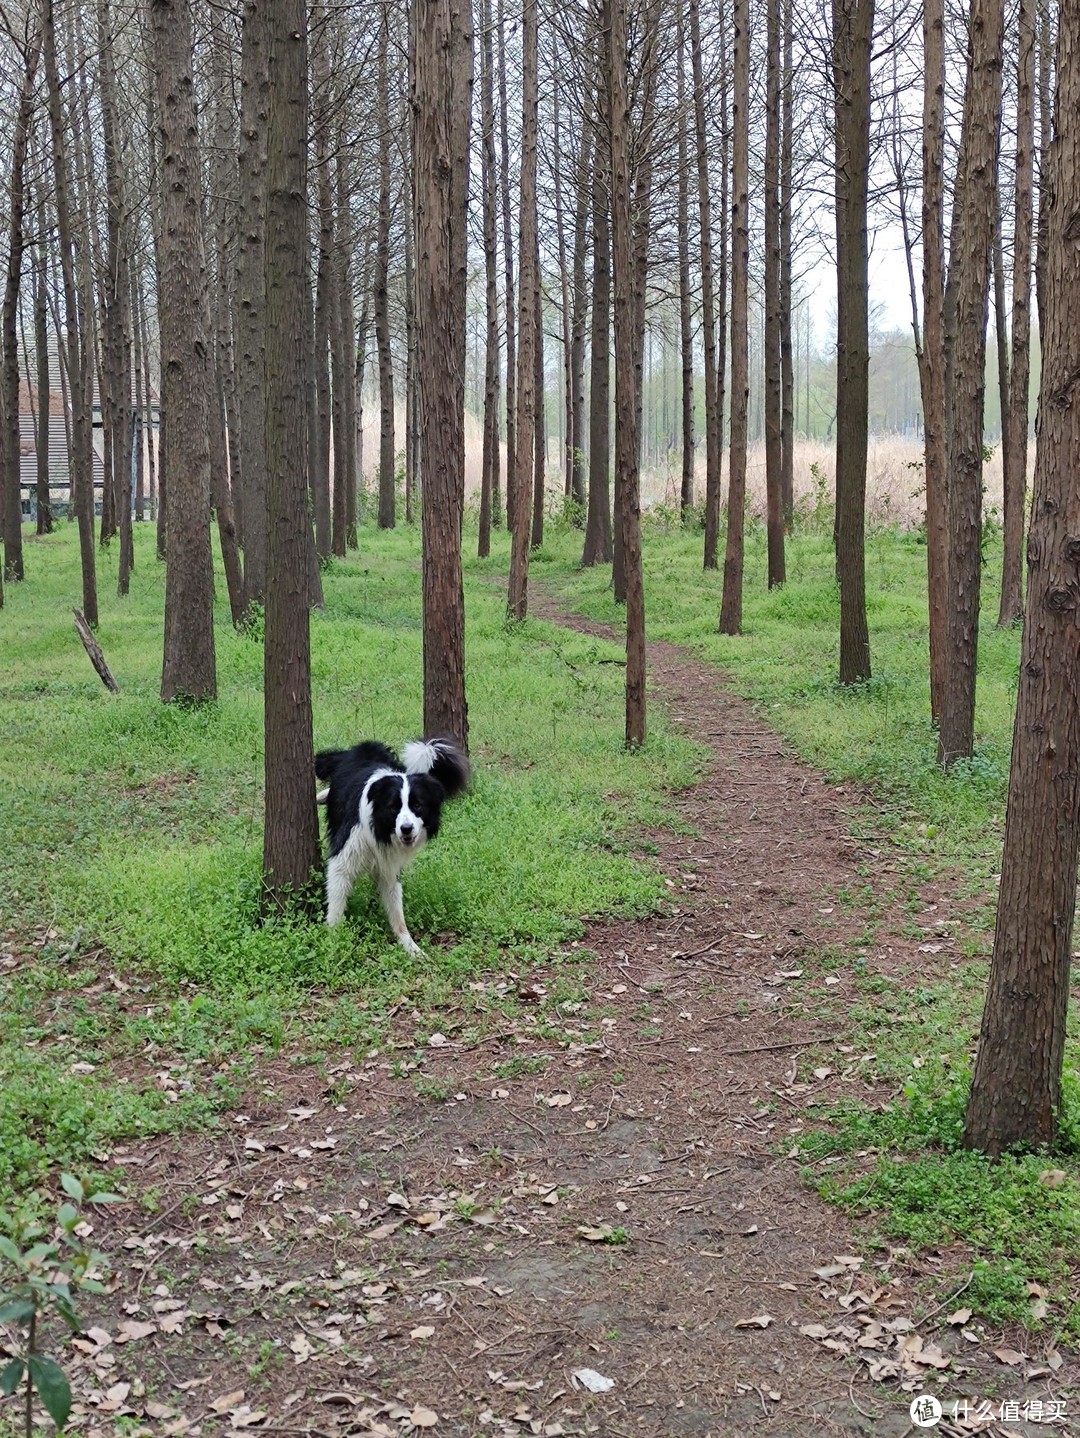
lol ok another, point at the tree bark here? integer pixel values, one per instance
(489, 472)
(540, 423)
(731, 602)
(713, 419)
(509, 306)
(932, 367)
(44, 396)
(81, 477)
(686, 336)
(773, 396)
(853, 28)
(381, 294)
(966, 303)
(442, 91)
(291, 826)
(188, 667)
(525, 398)
(1016, 1090)
(787, 369)
(12, 440)
(598, 548)
(1014, 419)
(251, 295)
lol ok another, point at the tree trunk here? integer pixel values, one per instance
(713, 419)
(932, 368)
(787, 369)
(509, 307)
(966, 301)
(1016, 1090)
(12, 440)
(630, 244)
(1014, 420)
(598, 547)
(319, 412)
(44, 396)
(345, 401)
(540, 423)
(251, 295)
(774, 481)
(188, 668)
(853, 28)
(381, 295)
(489, 471)
(525, 398)
(686, 336)
(291, 826)
(79, 454)
(579, 312)
(731, 603)
(442, 92)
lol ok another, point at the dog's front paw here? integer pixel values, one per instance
(411, 947)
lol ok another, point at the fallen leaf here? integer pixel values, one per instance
(960, 1317)
(760, 1320)
(421, 1417)
(1009, 1356)
(558, 1100)
(227, 1401)
(129, 1331)
(424, 1331)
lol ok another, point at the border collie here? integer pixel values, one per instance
(380, 811)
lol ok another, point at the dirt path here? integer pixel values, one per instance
(440, 1236)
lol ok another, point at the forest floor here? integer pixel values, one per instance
(460, 1236)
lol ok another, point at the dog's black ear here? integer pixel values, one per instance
(327, 761)
(442, 759)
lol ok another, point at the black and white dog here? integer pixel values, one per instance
(380, 812)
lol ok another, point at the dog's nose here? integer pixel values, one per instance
(407, 832)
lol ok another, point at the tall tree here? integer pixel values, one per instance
(381, 295)
(774, 480)
(11, 444)
(932, 352)
(966, 309)
(598, 547)
(1015, 416)
(291, 826)
(251, 296)
(853, 30)
(517, 598)
(489, 467)
(713, 405)
(1016, 1090)
(188, 667)
(731, 602)
(686, 335)
(442, 89)
(509, 306)
(79, 448)
(787, 369)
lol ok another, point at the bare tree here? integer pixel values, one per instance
(966, 304)
(1015, 413)
(11, 444)
(853, 29)
(528, 288)
(1016, 1091)
(713, 404)
(773, 378)
(290, 825)
(442, 85)
(381, 290)
(731, 603)
(188, 669)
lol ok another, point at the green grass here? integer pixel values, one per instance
(133, 830)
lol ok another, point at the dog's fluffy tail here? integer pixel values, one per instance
(442, 759)
(327, 761)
